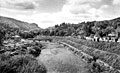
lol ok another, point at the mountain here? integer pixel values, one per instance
(18, 24)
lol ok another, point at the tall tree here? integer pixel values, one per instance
(2, 35)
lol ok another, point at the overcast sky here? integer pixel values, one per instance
(47, 13)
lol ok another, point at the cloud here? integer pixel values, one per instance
(50, 12)
(82, 1)
(70, 11)
(93, 9)
(84, 9)
(50, 6)
(116, 2)
(18, 4)
(40, 5)
(76, 9)
(110, 11)
(81, 6)
(25, 5)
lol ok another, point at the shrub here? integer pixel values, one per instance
(21, 64)
(117, 64)
(95, 68)
(35, 51)
(4, 57)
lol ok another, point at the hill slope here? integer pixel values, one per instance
(101, 28)
(18, 24)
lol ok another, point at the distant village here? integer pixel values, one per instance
(112, 37)
(17, 40)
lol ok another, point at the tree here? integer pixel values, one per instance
(86, 29)
(2, 35)
(108, 30)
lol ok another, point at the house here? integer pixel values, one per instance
(101, 39)
(89, 38)
(112, 37)
(23, 40)
(97, 37)
(118, 40)
(112, 34)
(105, 39)
(16, 38)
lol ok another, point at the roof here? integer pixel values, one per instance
(111, 34)
(16, 36)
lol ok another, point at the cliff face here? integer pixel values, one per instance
(18, 24)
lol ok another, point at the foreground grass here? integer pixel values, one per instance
(20, 64)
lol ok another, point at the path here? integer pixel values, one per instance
(58, 59)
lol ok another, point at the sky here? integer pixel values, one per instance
(47, 13)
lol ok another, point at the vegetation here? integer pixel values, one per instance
(111, 47)
(110, 58)
(6, 31)
(18, 24)
(19, 57)
(2, 35)
(20, 64)
(100, 28)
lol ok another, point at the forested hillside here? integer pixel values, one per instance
(24, 48)
(18, 24)
(99, 28)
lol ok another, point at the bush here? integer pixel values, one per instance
(117, 64)
(4, 57)
(95, 68)
(35, 51)
(21, 64)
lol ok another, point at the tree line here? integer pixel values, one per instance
(99, 28)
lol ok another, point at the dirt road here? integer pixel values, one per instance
(58, 59)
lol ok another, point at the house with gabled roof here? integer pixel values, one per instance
(118, 40)
(16, 38)
(112, 37)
